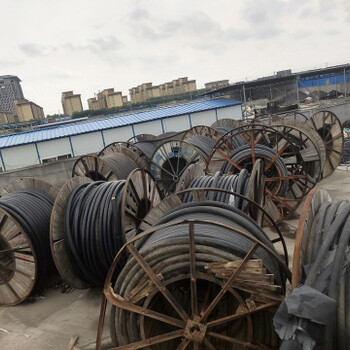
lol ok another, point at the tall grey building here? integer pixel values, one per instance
(10, 89)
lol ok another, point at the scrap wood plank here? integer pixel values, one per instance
(72, 342)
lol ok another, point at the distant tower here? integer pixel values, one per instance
(10, 90)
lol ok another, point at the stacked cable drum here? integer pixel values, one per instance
(114, 162)
(205, 275)
(25, 259)
(321, 274)
(91, 220)
(234, 183)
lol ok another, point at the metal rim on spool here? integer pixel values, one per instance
(169, 162)
(313, 201)
(190, 327)
(57, 234)
(18, 262)
(279, 207)
(140, 195)
(330, 129)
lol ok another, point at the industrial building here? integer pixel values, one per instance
(71, 103)
(10, 89)
(314, 82)
(146, 91)
(216, 84)
(38, 146)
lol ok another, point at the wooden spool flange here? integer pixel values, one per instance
(330, 129)
(18, 261)
(140, 195)
(58, 236)
(313, 202)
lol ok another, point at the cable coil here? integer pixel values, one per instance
(93, 228)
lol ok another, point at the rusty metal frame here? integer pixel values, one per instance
(192, 328)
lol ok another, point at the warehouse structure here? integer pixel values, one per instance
(55, 143)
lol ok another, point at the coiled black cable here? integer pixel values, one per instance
(166, 252)
(235, 183)
(32, 210)
(242, 156)
(93, 228)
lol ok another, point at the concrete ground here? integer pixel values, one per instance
(54, 317)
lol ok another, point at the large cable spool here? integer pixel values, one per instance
(145, 151)
(197, 195)
(225, 125)
(314, 135)
(295, 116)
(286, 180)
(179, 272)
(320, 261)
(110, 167)
(202, 130)
(308, 148)
(25, 261)
(90, 221)
(171, 159)
(304, 239)
(330, 129)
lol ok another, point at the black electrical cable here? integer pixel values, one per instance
(32, 210)
(235, 183)
(243, 156)
(93, 228)
(166, 252)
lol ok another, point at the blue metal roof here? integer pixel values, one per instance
(40, 135)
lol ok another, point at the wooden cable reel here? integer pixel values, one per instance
(199, 194)
(116, 148)
(314, 135)
(297, 116)
(18, 260)
(111, 167)
(94, 168)
(308, 147)
(284, 167)
(226, 122)
(58, 235)
(203, 131)
(313, 202)
(170, 161)
(188, 328)
(142, 137)
(330, 129)
(140, 195)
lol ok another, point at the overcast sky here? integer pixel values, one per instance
(87, 46)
